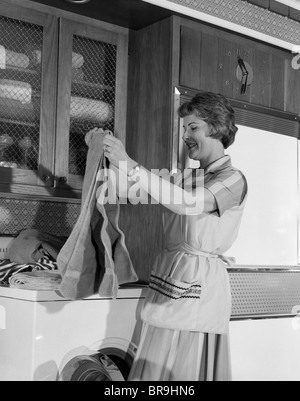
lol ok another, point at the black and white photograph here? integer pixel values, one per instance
(150, 193)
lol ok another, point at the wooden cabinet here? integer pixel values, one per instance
(90, 94)
(27, 98)
(75, 80)
(175, 53)
(209, 61)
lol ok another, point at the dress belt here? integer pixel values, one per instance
(189, 250)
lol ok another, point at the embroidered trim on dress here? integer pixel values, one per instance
(173, 291)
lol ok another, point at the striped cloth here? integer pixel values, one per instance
(8, 268)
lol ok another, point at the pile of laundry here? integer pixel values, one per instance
(32, 262)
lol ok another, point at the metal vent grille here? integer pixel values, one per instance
(267, 122)
(20, 89)
(92, 95)
(264, 292)
(258, 117)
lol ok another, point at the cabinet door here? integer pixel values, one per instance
(28, 60)
(209, 61)
(91, 93)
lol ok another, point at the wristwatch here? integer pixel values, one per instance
(133, 171)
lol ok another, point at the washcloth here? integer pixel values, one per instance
(36, 280)
(95, 257)
(90, 109)
(31, 245)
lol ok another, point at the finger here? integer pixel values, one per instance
(98, 130)
(112, 138)
(107, 142)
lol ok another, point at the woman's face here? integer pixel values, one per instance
(196, 137)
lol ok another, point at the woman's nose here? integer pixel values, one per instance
(185, 136)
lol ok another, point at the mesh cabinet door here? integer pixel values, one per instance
(89, 89)
(27, 88)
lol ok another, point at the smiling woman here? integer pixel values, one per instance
(187, 310)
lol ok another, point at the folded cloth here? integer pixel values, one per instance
(15, 90)
(95, 257)
(17, 60)
(36, 280)
(8, 268)
(77, 75)
(77, 59)
(90, 109)
(31, 245)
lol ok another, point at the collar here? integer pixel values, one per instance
(219, 164)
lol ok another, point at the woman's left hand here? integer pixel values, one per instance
(114, 150)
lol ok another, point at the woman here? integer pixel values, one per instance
(187, 310)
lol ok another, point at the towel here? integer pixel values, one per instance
(17, 60)
(77, 75)
(16, 90)
(8, 268)
(14, 110)
(31, 245)
(90, 109)
(95, 257)
(36, 280)
(77, 59)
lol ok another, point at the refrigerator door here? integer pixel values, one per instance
(269, 231)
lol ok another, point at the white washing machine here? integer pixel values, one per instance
(41, 332)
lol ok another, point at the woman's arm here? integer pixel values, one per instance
(181, 201)
(194, 200)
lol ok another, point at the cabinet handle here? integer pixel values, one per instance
(58, 181)
(47, 178)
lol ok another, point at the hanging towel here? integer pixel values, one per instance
(95, 257)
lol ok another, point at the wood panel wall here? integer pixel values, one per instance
(209, 62)
(148, 137)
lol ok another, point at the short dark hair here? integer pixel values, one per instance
(216, 111)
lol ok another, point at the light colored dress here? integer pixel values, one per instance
(187, 310)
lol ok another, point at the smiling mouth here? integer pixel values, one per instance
(191, 145)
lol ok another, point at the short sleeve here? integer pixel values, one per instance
(229, 189)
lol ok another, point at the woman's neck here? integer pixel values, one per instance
(216, 154)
